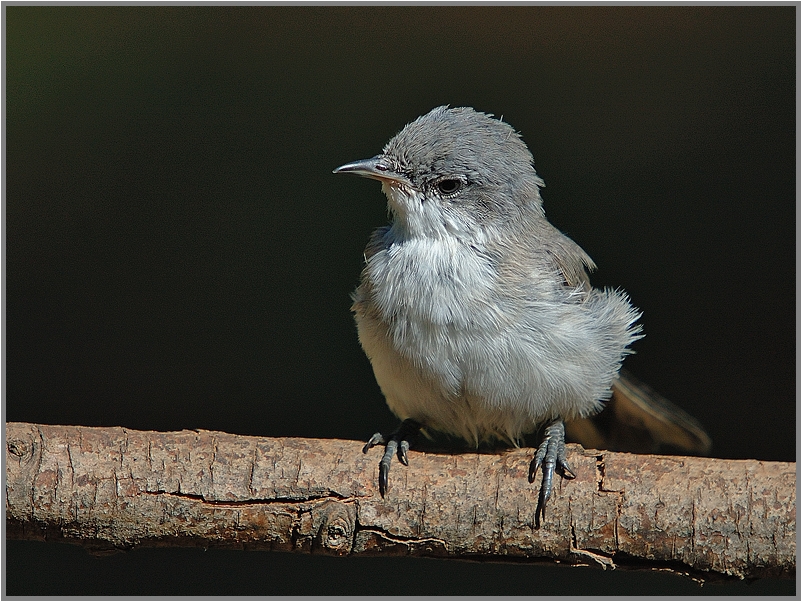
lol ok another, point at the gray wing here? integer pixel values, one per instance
(636, 418)
(569, 259)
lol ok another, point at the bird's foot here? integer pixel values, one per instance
(551, 455)
(395, 443)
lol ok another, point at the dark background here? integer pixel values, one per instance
(179, 255)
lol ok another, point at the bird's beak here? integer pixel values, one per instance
(375, 168)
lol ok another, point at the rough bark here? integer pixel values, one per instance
(114, 488)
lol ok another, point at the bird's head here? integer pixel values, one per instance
(455, 171)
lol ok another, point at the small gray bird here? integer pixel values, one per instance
(476, 313)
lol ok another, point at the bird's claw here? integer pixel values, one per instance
(376, 439)
(396, 443)
(551, 456)
(403, 448)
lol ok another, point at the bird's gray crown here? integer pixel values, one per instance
(461, 141)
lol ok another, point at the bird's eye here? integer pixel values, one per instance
(449, 186)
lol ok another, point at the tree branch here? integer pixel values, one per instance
(114, 488)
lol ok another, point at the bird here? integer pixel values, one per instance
(477, 314)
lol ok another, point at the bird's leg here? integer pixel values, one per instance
(394, 443)
(551, 454)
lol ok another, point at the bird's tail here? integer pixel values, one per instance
(638, 419)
